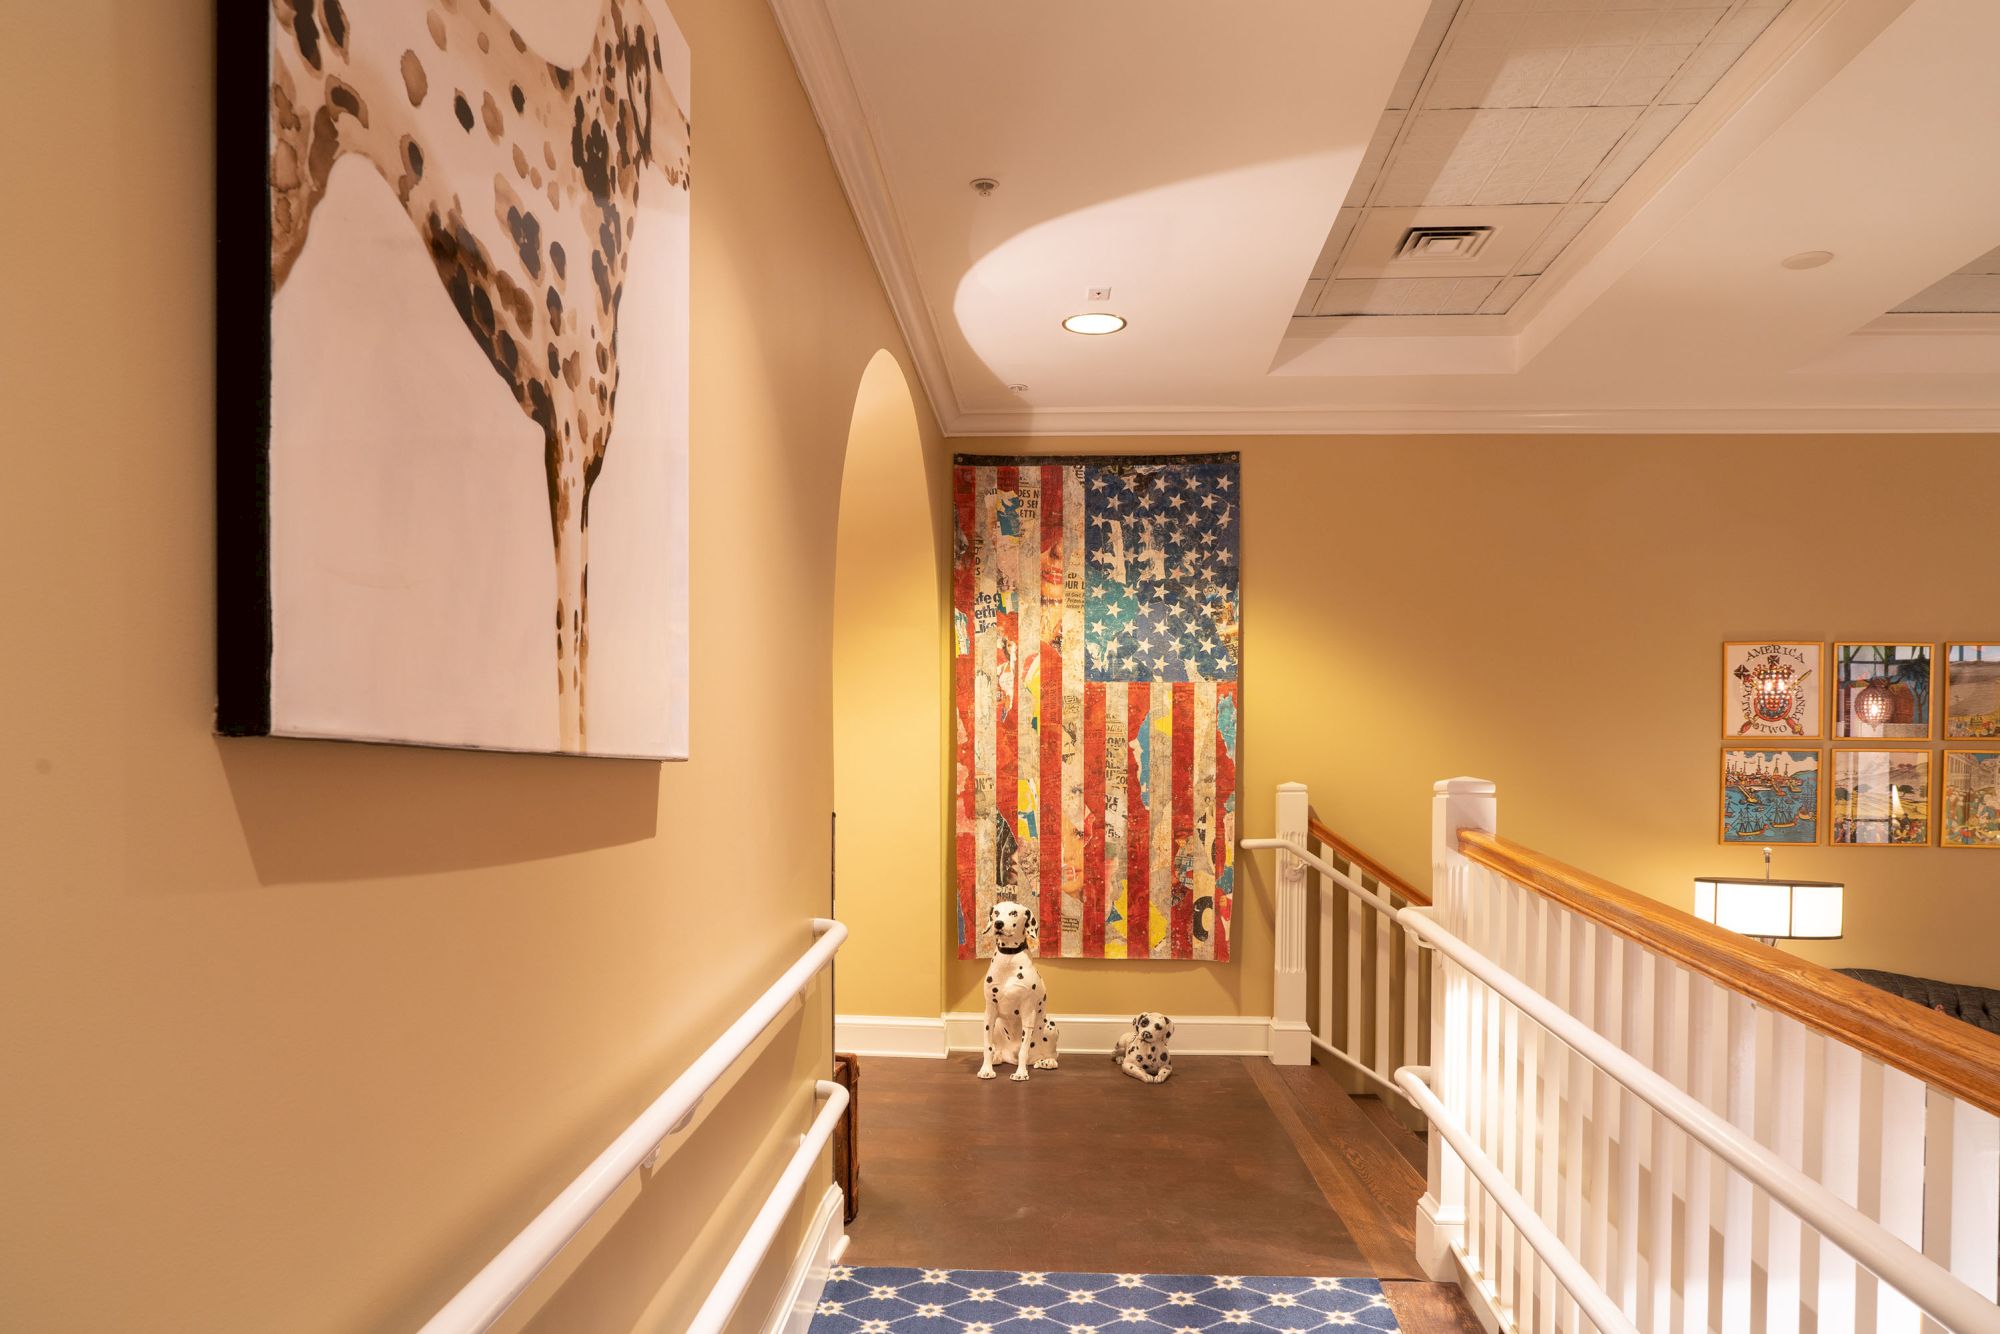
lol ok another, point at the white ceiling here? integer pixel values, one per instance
(1646, 164)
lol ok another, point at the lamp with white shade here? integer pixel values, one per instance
(1771, 910)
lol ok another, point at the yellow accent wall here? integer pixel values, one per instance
(1548, 612)
(297, 1034)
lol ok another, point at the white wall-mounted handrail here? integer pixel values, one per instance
(505, 1277)
(1326, 868)
(1933, 1289)
(728, 1291)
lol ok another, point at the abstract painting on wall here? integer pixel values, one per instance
(1771, 689)
(453, 350)
(1972, 690)
(1971, 799)
(1881, 798)
(1882, 691)
(1096, 619)
(1770, 796)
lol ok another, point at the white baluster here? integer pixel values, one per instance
(1962, 1192)
(1704, 999)
(1577, 958)
(1636, 1027)
(1839, 1172)
(1738, 1242)
(1385, 1061)
(1329, 894)
(1901, 1207)
(1413, 979)
(1669, 1058)
(1507, 952)
(1355, 927)
(1603, 1109)
(1781, 1263)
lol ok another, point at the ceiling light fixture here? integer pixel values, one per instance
(1807, 259)
(1094, 322)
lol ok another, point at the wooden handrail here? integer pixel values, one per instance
(1945, 1052)
(1384, 877)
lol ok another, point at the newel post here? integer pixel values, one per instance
(1456, 803)
(1291, 1037)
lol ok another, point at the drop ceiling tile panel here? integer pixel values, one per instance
(1423, 51)
(1535, 155)
(1958, 294)
(1652, 129)
(1406, 296)
(1986, 263)
(1502, 298)
(1568, 225)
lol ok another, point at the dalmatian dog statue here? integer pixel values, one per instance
(1017, 1019)
(1142, 1051)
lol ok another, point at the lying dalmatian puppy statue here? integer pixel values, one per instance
(1142, 1052)
(1017, 1019)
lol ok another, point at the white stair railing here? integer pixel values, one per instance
(1364, 1000)
(1648, 1124)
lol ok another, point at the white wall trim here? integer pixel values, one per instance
(1470, 421)
(825, 1240)
(888, 1035)
(1081, 1034)
(843, 121)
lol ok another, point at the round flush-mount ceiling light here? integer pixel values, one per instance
(1807, 259)
(1094, 322)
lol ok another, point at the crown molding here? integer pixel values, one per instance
(822, 68)
(1478, 421)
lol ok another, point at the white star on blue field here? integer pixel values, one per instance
(1160, 586)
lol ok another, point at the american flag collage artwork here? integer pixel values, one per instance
(1096, 622)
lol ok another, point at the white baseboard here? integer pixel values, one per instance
(888, 1035)
(825, 1240)
(1082, 1034)
(1096, 1034)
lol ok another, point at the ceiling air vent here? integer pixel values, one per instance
(1442, 242)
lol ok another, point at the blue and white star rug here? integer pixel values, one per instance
(996, 1301)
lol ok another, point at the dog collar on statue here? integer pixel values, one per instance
(1012, 949)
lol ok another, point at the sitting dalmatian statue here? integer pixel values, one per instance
(1142, 1052)
(1018, 1028)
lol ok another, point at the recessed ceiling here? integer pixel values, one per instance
(1526, 115)
(1974, 289)
(1245, 182)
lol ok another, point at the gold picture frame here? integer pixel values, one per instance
(1978, 679)
(1872, 802)
(1954, 806)
(1908, 692)
(1770, 795)
(1773, 690)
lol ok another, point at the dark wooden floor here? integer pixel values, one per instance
(1233, 1166)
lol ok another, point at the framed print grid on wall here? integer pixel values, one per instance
(1879, 798)
(1772, 690)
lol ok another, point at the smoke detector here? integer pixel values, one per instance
(1442, 242)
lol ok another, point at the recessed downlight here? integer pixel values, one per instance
(1094, 322)
(1807, 259)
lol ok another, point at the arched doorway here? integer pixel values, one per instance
(888, 710)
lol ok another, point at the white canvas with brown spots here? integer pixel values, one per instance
(479, 266)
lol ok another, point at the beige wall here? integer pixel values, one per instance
(297, 1034)
(1549, 613)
